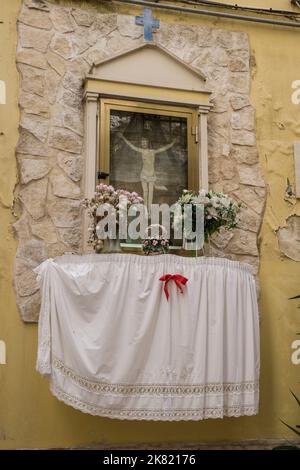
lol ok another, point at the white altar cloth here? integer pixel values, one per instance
(112, 345)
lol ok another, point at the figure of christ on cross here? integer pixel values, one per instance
(148, 175)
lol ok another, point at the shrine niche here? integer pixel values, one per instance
(152, 114)
(70, 77)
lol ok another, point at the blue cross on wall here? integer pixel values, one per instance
(148, 22)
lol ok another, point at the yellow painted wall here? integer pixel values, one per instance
(29, 415)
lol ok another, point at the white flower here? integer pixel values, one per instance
(201, 200)
(202, 193)
(186, 198)
(212, 211)
(215, 201)
(196, 200)
(225, 201)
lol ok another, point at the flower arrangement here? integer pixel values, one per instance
(219, 209)
(119, 199)
(157, 244)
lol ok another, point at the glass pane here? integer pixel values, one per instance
(149, 155)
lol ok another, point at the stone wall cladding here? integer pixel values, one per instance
(57, 46)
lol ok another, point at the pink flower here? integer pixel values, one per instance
(155, 242)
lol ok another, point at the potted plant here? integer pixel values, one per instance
(219, 210)
(155, 241)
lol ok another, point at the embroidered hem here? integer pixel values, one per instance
(156, 389)
(153, 415)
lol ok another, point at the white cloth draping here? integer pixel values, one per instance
(112, 345)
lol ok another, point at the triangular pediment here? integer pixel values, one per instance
(149, 64)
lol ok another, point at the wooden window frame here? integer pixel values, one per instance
(190, 114)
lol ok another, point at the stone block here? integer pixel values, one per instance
(250, 175)
(25, 279)
(244, 154)
(239, 101)
(32, 58)
(33, 252)
(83, 17)
(104, 24)
(239, 60)
(44, 230)
(73, 81)
(70, 237)
(243, 243)
(32, 79)
(250, 198)
(65, 212)
(228, 168)
(239, 82)
(37, 39)
(61, 19)
(243, 119)
(33, 198)
(243, 137)
(34, 104)
(37, 125)
(62, 46)
(64, 139)
(72, 165)
(74, 100)
(32, 169)
(29, 307)
(52, 80)
(36, 18)
(56, 62)
(127, 27)
(28, 144)
(63, 186)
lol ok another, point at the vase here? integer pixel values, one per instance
(207, 248)
(195, 252)
(111, 246)
(190, 246)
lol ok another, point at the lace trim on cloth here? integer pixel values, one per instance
(153, 389)
(154, 414)
(43, 364)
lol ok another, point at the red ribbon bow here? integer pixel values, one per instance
(177, 278)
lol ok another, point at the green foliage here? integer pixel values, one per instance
(296, 428)
(219, 210)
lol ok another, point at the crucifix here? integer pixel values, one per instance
(150, 24)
